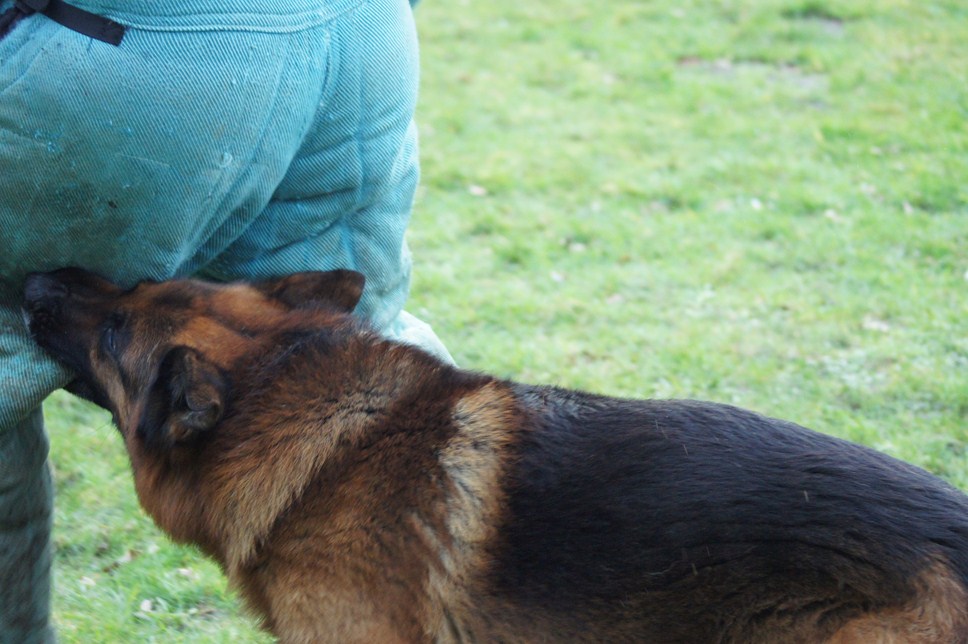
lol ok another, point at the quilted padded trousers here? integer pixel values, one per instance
(222, 138)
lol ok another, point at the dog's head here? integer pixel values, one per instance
(157, 356)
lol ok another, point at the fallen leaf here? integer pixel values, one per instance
(873, 324)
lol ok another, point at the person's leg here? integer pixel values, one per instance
(126, 161)
(25, 523)
(102, 166)
(26, 378)
(346, 198)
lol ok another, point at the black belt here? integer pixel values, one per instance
(84, 22)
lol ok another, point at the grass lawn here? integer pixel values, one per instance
(761, 202)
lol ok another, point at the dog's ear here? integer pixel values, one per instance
(186, 399)
(339, 289)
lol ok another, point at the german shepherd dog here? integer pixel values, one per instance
(358, 490)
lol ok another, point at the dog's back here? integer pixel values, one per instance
(683, 521)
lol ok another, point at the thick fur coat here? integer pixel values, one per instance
(357, 490)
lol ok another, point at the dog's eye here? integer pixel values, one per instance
(110, 342)
(109, 337)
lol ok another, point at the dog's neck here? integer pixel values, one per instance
(354, 381)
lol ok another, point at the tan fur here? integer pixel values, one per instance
(260, 477)
(475, 461)
(936, 616)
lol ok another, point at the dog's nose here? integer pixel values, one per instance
(40, 288)
(43, 299)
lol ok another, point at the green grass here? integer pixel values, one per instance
(757, 202)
